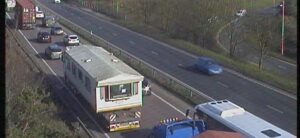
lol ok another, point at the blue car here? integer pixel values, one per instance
(208, 65)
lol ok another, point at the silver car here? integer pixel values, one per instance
(53, 52)
(56, 30)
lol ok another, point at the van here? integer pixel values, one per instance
(48, 21)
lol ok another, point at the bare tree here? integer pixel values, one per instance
(263, 37)
(236, 36)
(145, 7)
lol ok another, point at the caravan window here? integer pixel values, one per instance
(119, 91)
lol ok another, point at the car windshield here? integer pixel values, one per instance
(210, 62)
(145, 83)
(55, 48)
(39, 12)
(73, 37)
(58, 28)
(44, 33)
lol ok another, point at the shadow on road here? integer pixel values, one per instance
(138, 133)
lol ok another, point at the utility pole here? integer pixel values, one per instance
(282, 29)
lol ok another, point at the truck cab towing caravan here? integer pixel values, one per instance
(112, 89)
(25, 14)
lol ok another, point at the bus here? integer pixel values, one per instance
(237, 119)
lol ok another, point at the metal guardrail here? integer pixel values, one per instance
(189, 93)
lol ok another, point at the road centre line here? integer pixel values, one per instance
(222, 84)
(172, 106)
(193, 56)
(131, 42)
(114, 34)
(275, 109)
(153, 52)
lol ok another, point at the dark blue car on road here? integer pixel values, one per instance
(208, 65)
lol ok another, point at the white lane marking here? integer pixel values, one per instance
(131, 42)
(65, 33)
(282, 67)
(163, 100)
(194, 56)
(222, 84)
(153, 52)
(114, 34)
(275, 109)
(107, 136)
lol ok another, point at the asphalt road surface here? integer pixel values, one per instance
(266, 102)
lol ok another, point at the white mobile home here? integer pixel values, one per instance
(109, 85)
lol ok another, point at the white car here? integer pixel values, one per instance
(241, 13)
(71, 40)
(39, 14)
(56, 1)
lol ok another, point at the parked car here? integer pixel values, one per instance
(208, 65)
(44, 36)
(241, 13)
(71, 40)
(146, 87)
(39, 14)
(53, 51)
(48, 21)
(56, 1)
(56, 30)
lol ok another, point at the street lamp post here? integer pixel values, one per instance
(282, 29)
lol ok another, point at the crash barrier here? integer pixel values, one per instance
(188, 93)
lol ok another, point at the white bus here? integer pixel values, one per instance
(238, 119)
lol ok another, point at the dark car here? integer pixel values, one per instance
(53, 51)
(208, 65)
(56, 30)
(44, 36)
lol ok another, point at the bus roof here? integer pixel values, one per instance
(239, 120)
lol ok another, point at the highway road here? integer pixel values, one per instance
(160, 105)
(264, 101)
